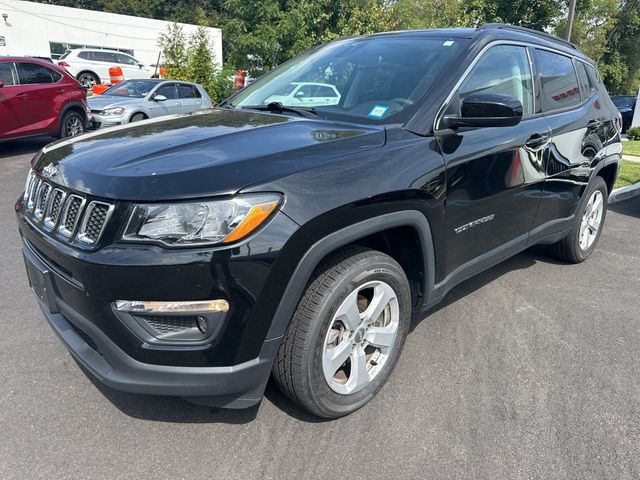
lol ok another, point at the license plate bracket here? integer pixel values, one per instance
(41, 282)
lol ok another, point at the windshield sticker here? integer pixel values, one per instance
(448, 43)
(378, 111)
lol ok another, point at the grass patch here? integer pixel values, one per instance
(629, 173)
(631, 148)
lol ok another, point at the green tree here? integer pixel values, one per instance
(537, 14)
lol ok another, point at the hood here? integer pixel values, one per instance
(102, 102)
(211, 152)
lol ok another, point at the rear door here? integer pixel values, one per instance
(170, 106)
(11, 108)
(576, 133)
(189, 97)
(102, 62)
(494, 174)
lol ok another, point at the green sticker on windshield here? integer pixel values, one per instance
(378, 111)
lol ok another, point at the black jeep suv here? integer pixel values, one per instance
(295, 229)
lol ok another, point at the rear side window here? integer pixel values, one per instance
(585, 86)
(558, 80)
(83, 55)
(31, 73)
(187, 91)
(503, 69)
(6, 74)
(108, 57)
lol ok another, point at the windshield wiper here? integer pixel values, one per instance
(280, 108)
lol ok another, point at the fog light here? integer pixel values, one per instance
(202, 324)
(203, 306)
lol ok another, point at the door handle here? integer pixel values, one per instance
(537, 141)
(23, 96)
(61, 90)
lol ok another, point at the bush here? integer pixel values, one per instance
(193, 61)
(634, 133)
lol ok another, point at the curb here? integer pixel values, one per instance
(624, 193)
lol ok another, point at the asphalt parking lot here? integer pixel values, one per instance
(530, 370)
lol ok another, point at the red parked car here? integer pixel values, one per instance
(39, 98)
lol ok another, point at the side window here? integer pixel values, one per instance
(503, 69)
(305, 91)
(126, 59)
(31, 73)
(84, 55)
(108, 57)
(7, 75)
(326, 92)
(186, 91)
(168, 91)
(585, 87)
(558, 79)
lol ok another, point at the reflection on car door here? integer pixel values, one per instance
(189, 97)
(493, 186)
(575, 133)
(169, 106)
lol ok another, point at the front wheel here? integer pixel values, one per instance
(346, 334)
(581, 241)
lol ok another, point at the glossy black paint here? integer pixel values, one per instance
(335, 177)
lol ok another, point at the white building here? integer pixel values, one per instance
(36, 29)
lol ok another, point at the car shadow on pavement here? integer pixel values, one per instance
(23, 146)
(630, 208)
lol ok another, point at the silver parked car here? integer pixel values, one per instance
(134, 100)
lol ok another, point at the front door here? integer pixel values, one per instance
(11, 106)
(495, 175)
(171, 105)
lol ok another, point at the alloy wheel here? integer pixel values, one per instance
(87, 80)
(591, 220)
(360, 337)
(73, 126)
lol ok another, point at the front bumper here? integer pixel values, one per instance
(101, 121)
(230, 371)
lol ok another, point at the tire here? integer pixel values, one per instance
(88, 79)
(575, 248)
(353, 277)
(137, 117)
(72, 124)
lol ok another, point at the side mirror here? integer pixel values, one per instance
(140, 65)
(486, 110)
(159, 98)
(1, 83)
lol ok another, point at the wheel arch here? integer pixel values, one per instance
(72, 106)
(377, 233)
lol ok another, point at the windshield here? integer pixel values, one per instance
(367, 80)
(131, 88)
(623, 102)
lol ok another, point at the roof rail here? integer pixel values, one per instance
(508, 26)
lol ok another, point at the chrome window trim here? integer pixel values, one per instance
(85, 219)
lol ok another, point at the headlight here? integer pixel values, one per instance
(113, 111)
(199, 223)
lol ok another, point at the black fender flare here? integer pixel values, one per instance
(345, 236)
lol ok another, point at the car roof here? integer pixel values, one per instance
(494, 32)
(44, 63)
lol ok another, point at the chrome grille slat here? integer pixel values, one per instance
(54, 208)
(94, 221)
(67, 215)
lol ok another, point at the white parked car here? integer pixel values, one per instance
(91, 66)
(135, 100)
(307, 93)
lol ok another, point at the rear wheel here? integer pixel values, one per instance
(346, 334)
(72, 124)
(88, 79)
(580, 243)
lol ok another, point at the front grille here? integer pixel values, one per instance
(64, 213)
(170, 324)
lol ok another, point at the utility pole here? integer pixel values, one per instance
(572, 11)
